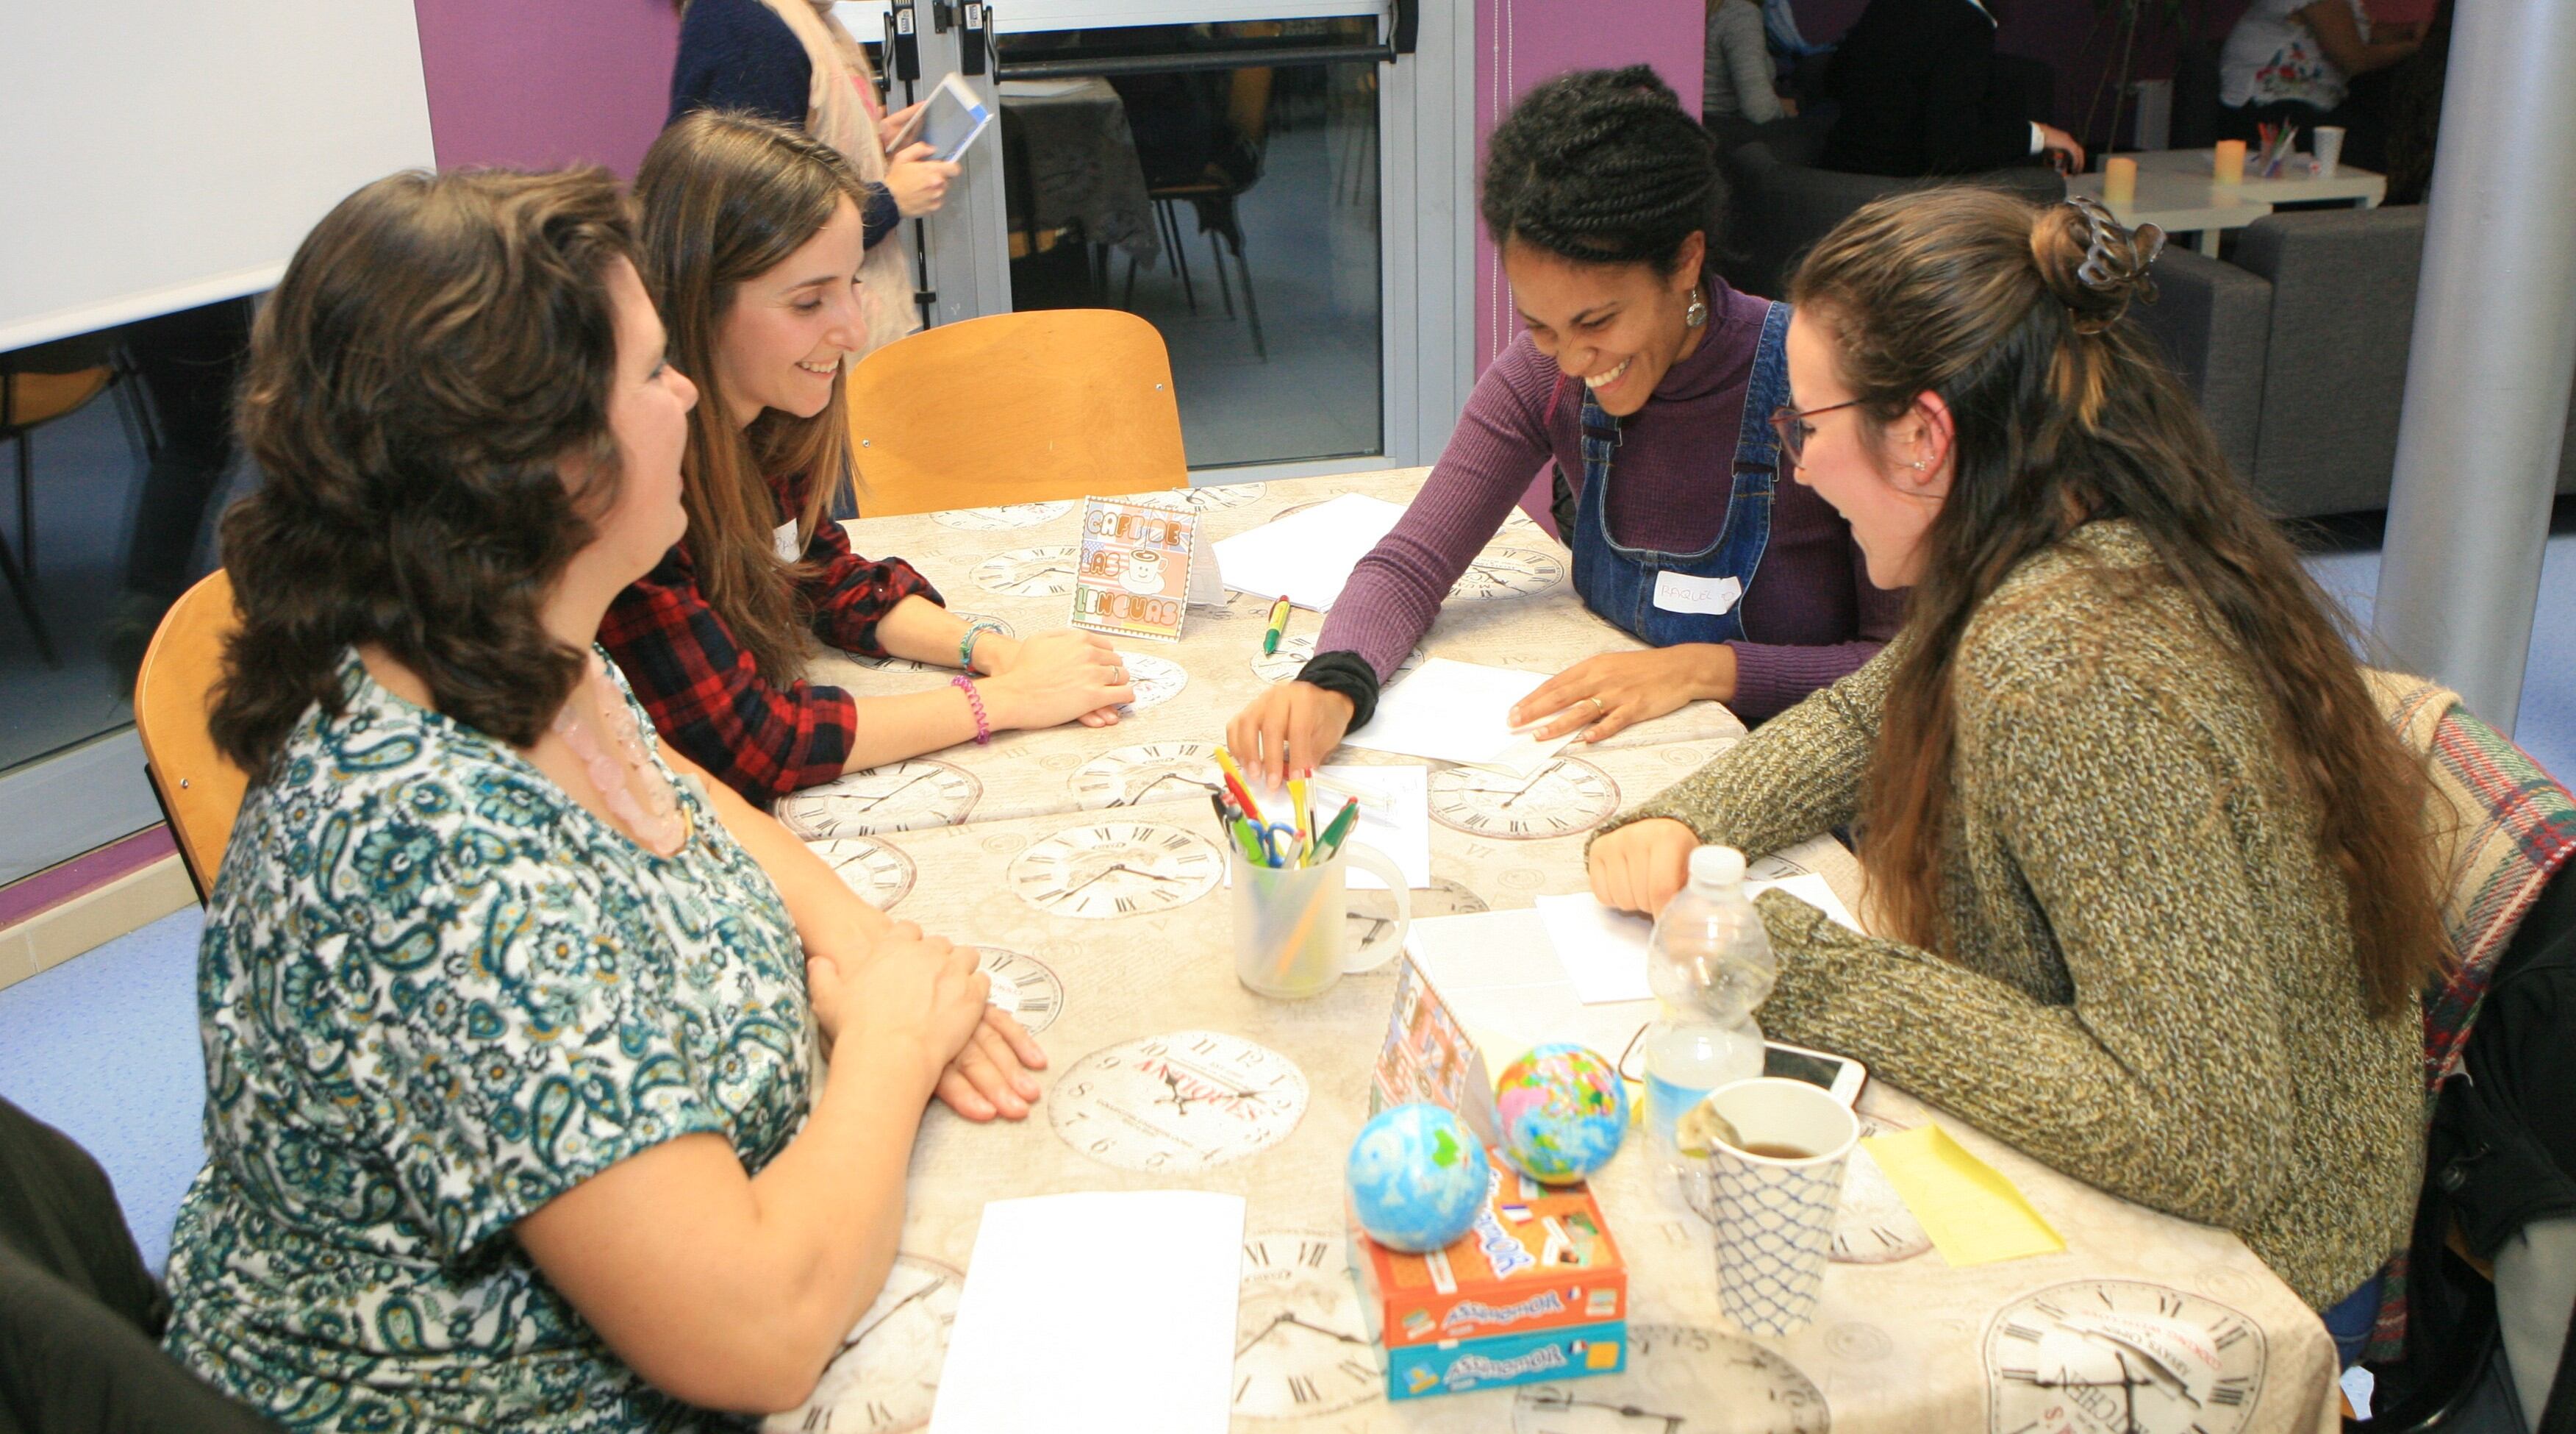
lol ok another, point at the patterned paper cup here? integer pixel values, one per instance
(1775, 1188)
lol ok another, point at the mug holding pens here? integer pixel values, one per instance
(1290, 899)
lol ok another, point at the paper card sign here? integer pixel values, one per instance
(1680, 592)
(1428, 1056)
(1133, 578)
(1974, 1214)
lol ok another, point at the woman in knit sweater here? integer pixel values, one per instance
(2149, 866)
(1645, 381)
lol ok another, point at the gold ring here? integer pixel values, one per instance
(1598, 708)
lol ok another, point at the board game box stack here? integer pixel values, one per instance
(1535, 1290)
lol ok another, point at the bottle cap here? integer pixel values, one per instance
(1718, 866)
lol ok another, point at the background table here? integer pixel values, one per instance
(2178, 194)
(1906, 1345)
(1080, 162)
(1017, 564)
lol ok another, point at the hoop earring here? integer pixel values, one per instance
(1697, 313)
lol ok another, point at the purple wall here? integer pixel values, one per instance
(546, 82)
(1521, 42)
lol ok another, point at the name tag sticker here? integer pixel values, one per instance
(789, 550)
(1680, 592)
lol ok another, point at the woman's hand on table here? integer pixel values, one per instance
(1640, 866)
(908, 1004)
(918, 183)
(1054, 678)
(1616, 690)
(990, 1076)
(1296, 721)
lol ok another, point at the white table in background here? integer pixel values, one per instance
(2178, 193)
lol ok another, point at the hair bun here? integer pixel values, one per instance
(2091, 264)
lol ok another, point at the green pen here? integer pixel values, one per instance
(1339, 830)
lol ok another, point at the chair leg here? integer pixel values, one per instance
(1129, 302)
(1251, 305)
(1180, 256)
(27, 505)
(1216, 259)
(26, 597)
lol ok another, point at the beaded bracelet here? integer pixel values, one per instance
(974, 699)
(966, 643)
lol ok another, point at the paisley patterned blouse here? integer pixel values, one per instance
(435, 993)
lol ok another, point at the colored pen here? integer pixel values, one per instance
(1339, 831)
(1297, 814)
(1234, 781)
(1278, 626)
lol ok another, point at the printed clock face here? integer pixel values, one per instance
(1680, 1379)
(1113, 869)
(1028, 572)
(1301, 1344)
(2121, 1357)
(1872, 1226)
(1023, 987)
(897, 797)
(880, 874)
(1147, 772)
(1561, 798)
(1003, 518)
(1508, 572)
(1180, 1102)
(1295, 650)
(886, 1375)
(1209, 499)
(1368, 913)
(1155, 681)
(906, 664)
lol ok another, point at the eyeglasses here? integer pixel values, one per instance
(1794, 429)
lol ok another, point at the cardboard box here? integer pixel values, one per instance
(1537, 1258)
(1460, 1366)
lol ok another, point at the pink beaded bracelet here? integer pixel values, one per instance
(974, 699)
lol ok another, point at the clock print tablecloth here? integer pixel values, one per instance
(1016, 564)
(1110, 931)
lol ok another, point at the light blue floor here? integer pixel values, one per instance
(105, 1045)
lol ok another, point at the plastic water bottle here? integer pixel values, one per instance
(1710, 964)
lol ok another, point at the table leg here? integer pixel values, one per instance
(2206, 241)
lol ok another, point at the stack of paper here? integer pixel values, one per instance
(1307, 555)
(1101, 1311)
(1458, 712)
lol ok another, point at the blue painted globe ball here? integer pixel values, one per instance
(1563, 1113)
(1417, 1176)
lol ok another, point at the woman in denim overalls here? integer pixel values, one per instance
(1646, 386)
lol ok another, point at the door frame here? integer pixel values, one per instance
(1426, 204)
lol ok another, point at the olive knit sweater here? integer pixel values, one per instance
(2151, 984)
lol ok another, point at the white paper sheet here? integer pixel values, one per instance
(1307, 555)
(1498, 974)
(1395, 817)
(1101, 1311)
(1604, 951)
(1458, 712)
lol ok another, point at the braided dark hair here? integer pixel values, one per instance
(1602, 167)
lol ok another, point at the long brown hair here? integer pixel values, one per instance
(726, 198)
(441, 349)
(2063, 413)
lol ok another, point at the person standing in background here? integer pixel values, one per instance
(791, 61)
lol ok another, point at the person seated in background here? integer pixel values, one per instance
(1737, 87)
(2152, 868)
(751, 244)
(508, 1013)
(1914, 79)
(1646, 381)
(792, 61)
(2294, 61)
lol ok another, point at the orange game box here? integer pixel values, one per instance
(1538, 1257)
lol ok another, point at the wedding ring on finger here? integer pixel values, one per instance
(1600, 709)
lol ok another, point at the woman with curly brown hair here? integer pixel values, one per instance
(2151, 867)
(507, 1010)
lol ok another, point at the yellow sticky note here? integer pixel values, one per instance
(1973, 1214)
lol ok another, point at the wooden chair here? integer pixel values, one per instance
(1015, 408)
(200, 790)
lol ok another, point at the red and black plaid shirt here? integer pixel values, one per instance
(706, 695)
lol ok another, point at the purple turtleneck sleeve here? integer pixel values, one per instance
(1810, 617)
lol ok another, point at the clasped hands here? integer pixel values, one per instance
(920, 1002)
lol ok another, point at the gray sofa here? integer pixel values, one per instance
(2297, 348)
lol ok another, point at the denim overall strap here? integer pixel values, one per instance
(1619, 582)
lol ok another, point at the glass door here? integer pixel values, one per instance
(1242, 175)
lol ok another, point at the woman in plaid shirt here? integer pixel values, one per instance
(753, 238)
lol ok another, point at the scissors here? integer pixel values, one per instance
(1279, 841)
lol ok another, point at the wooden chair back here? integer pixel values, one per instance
(1015, 408)
(200, 789)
